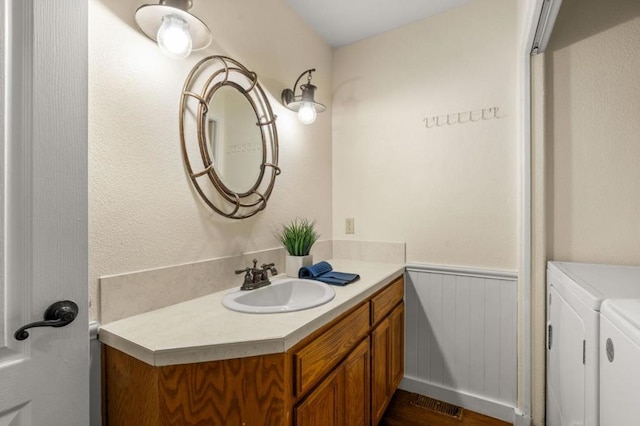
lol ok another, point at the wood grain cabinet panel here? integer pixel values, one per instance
(322, 354)
(397, 346)
(245, 391)
(387, 360)
(130, 390)
(343, 397)
(380, 363)
(325, 405)
(357, 372)
(383, 302)
(230, 392)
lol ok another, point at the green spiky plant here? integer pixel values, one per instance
(298, 236)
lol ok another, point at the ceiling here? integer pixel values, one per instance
(342, 22)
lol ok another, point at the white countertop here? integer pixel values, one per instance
(201, 329)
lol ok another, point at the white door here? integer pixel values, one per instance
(44, 379)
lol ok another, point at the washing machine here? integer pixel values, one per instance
(575, 292)
(620, 362)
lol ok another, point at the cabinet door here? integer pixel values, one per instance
(380, 360)
(357, 372)
(324, 406)
(397, 347)
(316, 358)
(387, 360)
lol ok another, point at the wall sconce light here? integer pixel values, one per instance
(177, 31)
(304, 104)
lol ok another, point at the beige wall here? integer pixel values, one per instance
(593, 131)
(452, 192)
(143, 212)
(585, 149)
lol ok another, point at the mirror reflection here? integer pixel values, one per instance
(228, 137)
(234, 141)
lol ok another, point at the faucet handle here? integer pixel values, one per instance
(247, 277)
(269, 267)
(243, 271)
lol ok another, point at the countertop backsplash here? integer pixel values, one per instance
(133, 293)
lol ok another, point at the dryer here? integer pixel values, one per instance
(575, 292)
(620, 362)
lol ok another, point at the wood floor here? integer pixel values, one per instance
(403, 411)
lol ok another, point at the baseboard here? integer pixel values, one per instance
(521, 419)
(475, 403)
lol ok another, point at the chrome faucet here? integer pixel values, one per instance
(256, 277)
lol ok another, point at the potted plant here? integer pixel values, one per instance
(297, 238)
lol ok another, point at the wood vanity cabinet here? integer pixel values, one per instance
(359, 389)
(344, 374)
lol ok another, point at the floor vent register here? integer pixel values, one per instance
(437, 406)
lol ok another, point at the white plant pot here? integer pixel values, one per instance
(294, 263)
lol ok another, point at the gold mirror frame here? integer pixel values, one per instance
(225, 71)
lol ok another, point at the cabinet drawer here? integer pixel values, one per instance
(317, 358)
(386, 300)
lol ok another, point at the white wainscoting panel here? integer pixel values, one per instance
(461, 341)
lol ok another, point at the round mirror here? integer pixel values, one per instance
(228, 136)
(233, 139)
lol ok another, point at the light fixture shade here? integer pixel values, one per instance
(296, 105)
(304, 104)
(149, 19)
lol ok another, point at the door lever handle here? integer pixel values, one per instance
(58, 314)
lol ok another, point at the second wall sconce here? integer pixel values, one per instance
(306, 107)
(171, 25)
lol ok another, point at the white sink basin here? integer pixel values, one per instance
(285, 295)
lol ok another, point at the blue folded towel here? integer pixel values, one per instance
(314, 271)
(324, 272)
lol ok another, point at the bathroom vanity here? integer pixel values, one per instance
(199, 363)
